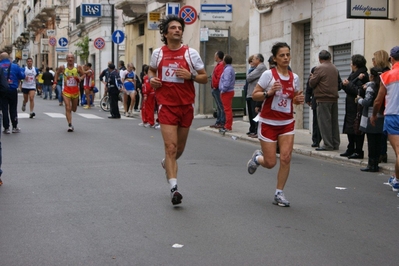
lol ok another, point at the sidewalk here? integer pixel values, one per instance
(303, 142)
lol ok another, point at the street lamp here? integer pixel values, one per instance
(58, 21)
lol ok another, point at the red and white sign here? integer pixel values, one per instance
(52, 41)
(99, 43)
(188, 14)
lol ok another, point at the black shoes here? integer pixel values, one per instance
(346, 154)
(356, 156)
(314, 145)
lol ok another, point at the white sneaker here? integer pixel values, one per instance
(141, 124)
(147, 125)
(280, 200)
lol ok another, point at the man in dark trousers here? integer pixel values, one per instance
(311, 101)
(14, 74)
(47, 84)
(114, 86)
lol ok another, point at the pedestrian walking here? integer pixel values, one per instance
(14, 74)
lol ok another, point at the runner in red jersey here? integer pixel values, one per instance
(278, 88)
(173, 69)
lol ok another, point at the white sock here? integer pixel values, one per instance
(256, 160)
(277, 191)
(172, 182)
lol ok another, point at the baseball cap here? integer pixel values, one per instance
(395, 52)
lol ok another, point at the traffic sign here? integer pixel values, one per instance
(188, 14)
(50, 33)
(52, 41)
(219, 12)
(172, 8)
(63, 42)
(61, 49)
(99, 43)
(217, 8)
(118, 36)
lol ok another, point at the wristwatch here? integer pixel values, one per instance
(265, 95)
(193, 76)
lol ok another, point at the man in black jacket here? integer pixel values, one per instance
(114, 86)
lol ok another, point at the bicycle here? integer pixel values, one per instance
(104, 102)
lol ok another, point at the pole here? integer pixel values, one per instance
(112, 31)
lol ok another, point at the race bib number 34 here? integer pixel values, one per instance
(169, 75)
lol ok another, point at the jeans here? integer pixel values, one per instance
(47, 91)
(59, 89)
(220, 117)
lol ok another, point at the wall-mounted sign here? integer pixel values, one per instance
(204, 34)
(153, 20)
(367, 9)
(219, 33)
(91, 10)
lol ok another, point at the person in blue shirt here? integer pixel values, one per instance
(226, 87)
(13, 74)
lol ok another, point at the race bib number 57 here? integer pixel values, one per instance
(169, 74)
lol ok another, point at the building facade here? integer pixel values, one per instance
(310, 26)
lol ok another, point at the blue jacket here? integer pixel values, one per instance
(16, 73)
(227, 80)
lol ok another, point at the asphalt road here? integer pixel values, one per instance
(98, 196)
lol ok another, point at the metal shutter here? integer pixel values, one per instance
(306, 71)
(342, 60)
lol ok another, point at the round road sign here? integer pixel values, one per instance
(99, 43)
(188, 14)
(52, 41)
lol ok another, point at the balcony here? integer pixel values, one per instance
(40, 14)
(132, 8)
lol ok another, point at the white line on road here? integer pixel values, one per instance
(55, 115)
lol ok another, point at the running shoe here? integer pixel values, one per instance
(280, 200)
(395, 186)
(157, 126)
(7, 131)
(252, 164)
(23, 107)
(32, 115)
(16, 130)
(392, 180)
(146, 125)
(70, 129)
(86, 107)
(175, 195)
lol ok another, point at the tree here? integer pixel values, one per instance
(84, 48)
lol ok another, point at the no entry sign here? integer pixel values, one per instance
(188, 14)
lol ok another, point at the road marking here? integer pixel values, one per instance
(23, 115)
(90, 116)
(55, 115)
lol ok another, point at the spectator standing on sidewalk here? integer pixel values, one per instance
(58, 83)
(14, 74)
(114, 86)
(175, 93)
(381, 60)
(311, 101)
(374, 133)
(226, 87)
(252, 79)
(325, 83)
(353, 86)
(216, 74)
(279, 90)
(388, 91)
